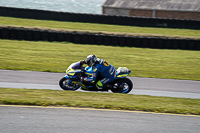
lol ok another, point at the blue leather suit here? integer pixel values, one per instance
(103, 68)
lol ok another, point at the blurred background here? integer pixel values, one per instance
(77, 6)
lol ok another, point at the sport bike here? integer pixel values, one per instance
(74, 73)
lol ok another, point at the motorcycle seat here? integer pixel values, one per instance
(123, 70)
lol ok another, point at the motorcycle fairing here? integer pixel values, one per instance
(71, 73)
(72, 70)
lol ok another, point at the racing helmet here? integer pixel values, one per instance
(91, 60)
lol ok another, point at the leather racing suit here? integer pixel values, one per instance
(106, 70)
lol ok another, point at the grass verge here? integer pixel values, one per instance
(99, 100)
(56, 57)
(100, 28)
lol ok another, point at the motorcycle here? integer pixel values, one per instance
(74, 73)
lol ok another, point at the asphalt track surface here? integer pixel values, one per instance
(24, 119)
(142, 86)
(66, 120)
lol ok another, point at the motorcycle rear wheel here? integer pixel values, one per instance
(123, 85)
(65, 84)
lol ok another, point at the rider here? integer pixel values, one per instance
(99, 66)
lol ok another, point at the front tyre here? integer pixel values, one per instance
(67, 84)
(123, 85)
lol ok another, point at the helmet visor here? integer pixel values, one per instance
(89, 62)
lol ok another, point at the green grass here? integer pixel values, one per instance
(102, 28)
(56, 57)
(99, 100)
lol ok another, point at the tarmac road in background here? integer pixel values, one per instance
(65, 120)
(142, 86)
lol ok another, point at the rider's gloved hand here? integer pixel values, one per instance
(82, 62)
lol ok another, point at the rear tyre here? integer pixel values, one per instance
(67, 84)
(123, 85)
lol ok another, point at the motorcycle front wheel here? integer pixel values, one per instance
(123, 85)
(67, 84)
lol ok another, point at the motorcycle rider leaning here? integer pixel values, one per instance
(99, 66)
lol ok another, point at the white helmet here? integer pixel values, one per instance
(91, 60)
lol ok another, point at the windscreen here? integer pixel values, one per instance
(76, 65)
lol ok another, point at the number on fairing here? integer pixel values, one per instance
(105, 63)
